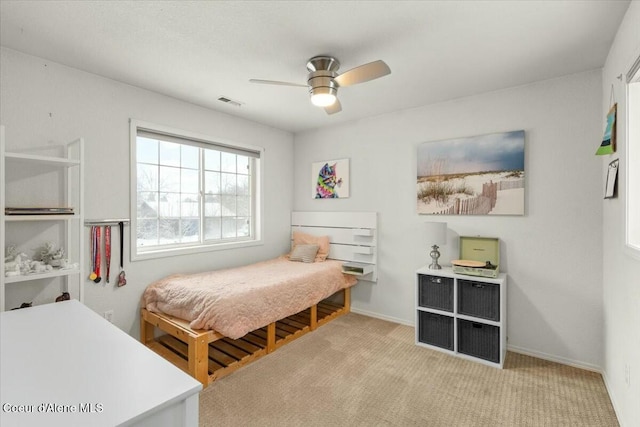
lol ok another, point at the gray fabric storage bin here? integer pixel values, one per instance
(479, 299)
(479, 340)
(435, 292)
(436, 329)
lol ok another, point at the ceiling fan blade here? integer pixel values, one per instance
(363, 73)
(336, 107)
(275, 82)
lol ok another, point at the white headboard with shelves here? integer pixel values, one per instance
(353, 237)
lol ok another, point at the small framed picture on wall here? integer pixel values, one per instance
(330, 179)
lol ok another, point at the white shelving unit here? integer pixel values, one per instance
(462, 315)
(26, 177)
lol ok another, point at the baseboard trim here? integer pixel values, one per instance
(540, 355)
(556, 359)
(612, 398)
(381, 316)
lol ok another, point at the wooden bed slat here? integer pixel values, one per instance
(324, 311)
(213, 366)
(300, 318)
(331, 305)
(294, 323)
(174, 344)
(181, 351)
(262, 333)
(283, 325)
(220, 357)
(281, 333)
(169, 355)
(304, 317)
(235, 352)
(255, 339)
(243, 344)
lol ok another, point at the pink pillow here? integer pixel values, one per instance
(300, 238)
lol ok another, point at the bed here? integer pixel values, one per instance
(212, 323)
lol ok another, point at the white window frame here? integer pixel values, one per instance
(257, 189)
(632, 206)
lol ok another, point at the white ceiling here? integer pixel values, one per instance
(198, 51)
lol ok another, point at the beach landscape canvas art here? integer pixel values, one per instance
(330, 179)
(478, 175)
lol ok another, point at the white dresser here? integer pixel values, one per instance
(63, 365)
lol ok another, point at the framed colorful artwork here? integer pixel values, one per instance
(478, 175)
(608, 145)
(330, 179)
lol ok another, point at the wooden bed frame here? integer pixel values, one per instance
(208, 355)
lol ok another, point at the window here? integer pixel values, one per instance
(633, 158)
(190, 193)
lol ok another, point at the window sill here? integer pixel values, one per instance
(163, 253)
(632, 252)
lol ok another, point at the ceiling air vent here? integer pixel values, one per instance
(230, 101)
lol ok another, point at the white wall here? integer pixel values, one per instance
(46, 103)
(621, 271)
(553, 254)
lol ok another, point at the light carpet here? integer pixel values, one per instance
(361, 371)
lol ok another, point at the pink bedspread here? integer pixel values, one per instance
(237, 301)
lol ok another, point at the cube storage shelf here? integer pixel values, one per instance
(462, 315)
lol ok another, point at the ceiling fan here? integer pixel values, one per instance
(323, 80)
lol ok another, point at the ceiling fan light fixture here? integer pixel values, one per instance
(323, 96)
(323, 80)
(323, 99)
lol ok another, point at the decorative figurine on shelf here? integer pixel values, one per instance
(47, 252)
(39, 267)
(11, 267)
(57, 259)
(52, 256)
(64, 297)
(23, 305)
(65, 265)
(16, 263)
(19, 264)
(10, 253)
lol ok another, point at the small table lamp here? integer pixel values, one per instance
(437, 234)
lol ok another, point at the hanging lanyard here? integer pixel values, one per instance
(93, 275)
(97, 259)
(95, 255)
(107, 249)
(122, 280)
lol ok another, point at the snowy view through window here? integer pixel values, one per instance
(189, 195)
